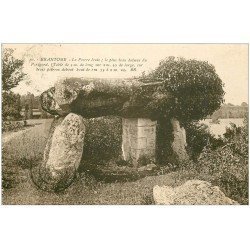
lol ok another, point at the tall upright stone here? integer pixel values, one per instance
(138, 139)
(179, 143)
(62, 154)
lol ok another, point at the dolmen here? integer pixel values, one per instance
(73, 100)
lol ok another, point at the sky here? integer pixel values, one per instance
(230, 61)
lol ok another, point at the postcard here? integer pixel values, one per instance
(125, 124)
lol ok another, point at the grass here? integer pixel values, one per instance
(21, 153)
(87, 190)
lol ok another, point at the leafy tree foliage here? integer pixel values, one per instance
(11, 70)
(191, 89)
(11, 105)
(11, 76)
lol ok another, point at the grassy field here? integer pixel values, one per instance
(25, 151)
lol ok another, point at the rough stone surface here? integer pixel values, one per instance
(138, 139)
(97, 97)
(193, 192)
(179, 143)
(62, 153)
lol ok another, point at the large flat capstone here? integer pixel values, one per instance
(99, 97)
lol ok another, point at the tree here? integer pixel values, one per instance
(11, 70)
(11, 76)
(11, 105)
(191, 89)
(244, 104)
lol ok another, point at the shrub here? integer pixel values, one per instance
(199, 137)
(12, 125)
(103, 139)
(228, 164)
(237, 138)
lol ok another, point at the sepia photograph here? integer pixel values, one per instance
(125, 124)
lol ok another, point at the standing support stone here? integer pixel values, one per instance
(138, 139)
(62, 153)
(179, 143)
